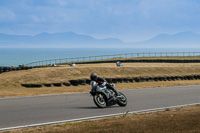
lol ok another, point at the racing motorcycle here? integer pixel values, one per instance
(104, 97)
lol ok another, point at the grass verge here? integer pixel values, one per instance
(185, 119)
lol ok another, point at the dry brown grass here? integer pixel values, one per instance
(22, 91)
(10, 82)
(184, 120)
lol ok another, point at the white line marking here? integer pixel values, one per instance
(95, 117)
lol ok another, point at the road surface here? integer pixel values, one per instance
(21, 111)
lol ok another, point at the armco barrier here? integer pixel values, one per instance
(147, 61)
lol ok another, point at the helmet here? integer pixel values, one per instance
(93, 76)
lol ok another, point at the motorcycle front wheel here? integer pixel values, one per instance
(122, 101)
(100, 100)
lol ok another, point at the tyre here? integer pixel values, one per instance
(57, 84)
(88, 81)
(82, 82)
(47, 84)
(130, 80)
(156, 79)
(123, 100)
(137, 79)
(151, 79)
(100, 100)
(66, 84)
(114, 80)
(36, 85)
(125, 80)
(26, 85)
(120, 80)
(109, 80)
(74, 82)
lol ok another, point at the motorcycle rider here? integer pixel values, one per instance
(101, 82)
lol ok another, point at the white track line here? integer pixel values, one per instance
(96, 117)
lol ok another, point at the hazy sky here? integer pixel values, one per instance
(128, 20)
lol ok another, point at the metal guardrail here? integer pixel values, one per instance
(104, 57)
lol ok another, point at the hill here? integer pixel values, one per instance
(180, 40)
(72, 40)
(67, 40)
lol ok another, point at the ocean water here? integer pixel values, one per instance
(17, 56)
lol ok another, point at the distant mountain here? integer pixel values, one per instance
(67, 39)
(182, 39)
(72, 40)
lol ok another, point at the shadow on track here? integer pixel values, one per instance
(94, 107)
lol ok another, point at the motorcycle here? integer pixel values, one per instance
(104, 97)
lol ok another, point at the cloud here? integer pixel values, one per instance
(126, 19)
(6, 15)
(62, 2)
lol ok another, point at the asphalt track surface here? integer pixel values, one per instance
(20, 111)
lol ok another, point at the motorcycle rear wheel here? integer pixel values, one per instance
(100, 101)
(122, 101)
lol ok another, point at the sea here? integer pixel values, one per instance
(18, 56)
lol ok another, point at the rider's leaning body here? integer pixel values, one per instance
(102, 82)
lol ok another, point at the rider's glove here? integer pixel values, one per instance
(103, 84)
